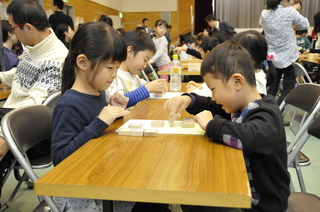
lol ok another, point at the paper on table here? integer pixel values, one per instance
(176, 128)
(166, 95)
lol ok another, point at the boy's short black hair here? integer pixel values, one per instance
(145, 19)
(227, 59)
(139, 41)
(301, 32)
(209, 43)
(211, 18)
(28, 11)
(59, 4)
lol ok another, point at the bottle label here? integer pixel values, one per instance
(175, 70)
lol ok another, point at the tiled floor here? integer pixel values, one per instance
(26, 201)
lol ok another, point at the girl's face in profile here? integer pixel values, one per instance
(104, 75)
(69, 35)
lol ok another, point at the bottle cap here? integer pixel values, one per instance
(175, 56)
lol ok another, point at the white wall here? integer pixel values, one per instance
(149, 5)
(114, 4)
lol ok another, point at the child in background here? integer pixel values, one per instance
(140, 49)
(65, 34)
(9, 39)
(255, 125)
(303, 43)
(161, 57)
(207, 32)
(189, 42)
(257, 47)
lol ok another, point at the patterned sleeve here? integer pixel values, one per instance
(7, 77)
(299, 20)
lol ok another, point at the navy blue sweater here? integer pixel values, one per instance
(75, 122)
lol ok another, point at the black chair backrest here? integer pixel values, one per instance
(314, 128)
(304, 96)
(30, 125)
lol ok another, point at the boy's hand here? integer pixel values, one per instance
(119, 100)
(109, 113)
(157, 86)
(177, 104)
(203, 118)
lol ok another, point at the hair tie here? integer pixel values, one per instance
(270, 56)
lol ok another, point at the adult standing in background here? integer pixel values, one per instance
(59, 17)
(219, 26)
(145, 25)
(277, 20)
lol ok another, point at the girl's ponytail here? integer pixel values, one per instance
(68, 74)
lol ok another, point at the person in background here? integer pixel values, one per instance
(315, 36)
(38, 74)
(65, 34)
(120, 31)
(303, 42)
(297, 4)
(200, 38)
(238, 116)
(189, 42)
(161, 58)
(168, 36)
(141, 29)
(207, 32)
(140, 48)
(145, 25)
(9, 39)
(277, 20)
(106, 19)
(219, 26)
(59, 17)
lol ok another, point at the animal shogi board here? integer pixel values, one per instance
(175, 128)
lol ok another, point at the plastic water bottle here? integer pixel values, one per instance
(175, 74)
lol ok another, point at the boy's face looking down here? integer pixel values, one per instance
(135, 63)
(227, 94)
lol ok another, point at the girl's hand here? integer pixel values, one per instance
(203, 118)
(157, 86)
(177, 104)
(192, 86)
(109, 113)
(119, 100)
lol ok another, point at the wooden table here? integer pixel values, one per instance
(175, 169)
(4, 92)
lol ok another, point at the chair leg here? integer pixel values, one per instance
(8, 202)
(299, 174)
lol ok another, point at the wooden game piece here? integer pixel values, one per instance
(124, 131)
(150, 132)
(137, 132)
(158, 94)
(157, 123)
(173, 118)
(188, 123)
(135, 125)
